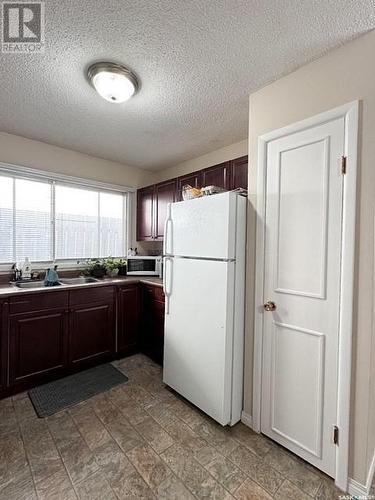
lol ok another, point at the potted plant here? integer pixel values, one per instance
(122, 267)
(95, 268)
(112, 266)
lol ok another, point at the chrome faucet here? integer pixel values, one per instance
(17, 272)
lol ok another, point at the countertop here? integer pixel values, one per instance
(10, 290)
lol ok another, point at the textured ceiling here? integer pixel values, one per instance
(197, 61)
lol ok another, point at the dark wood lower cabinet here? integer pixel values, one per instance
(53, 334)
(92, 326)
(37, 346)
(128, 307)
(4, 314)
(152, 334)
(91, 334)
(49, 335)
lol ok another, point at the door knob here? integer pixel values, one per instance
(269, 306)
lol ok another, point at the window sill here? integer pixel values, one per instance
(42, 266)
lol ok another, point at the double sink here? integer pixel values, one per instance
(62, 281)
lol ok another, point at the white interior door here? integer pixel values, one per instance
(302, 278)
(198, 335)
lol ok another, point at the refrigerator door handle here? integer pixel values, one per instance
(168, 222)
(167, 282)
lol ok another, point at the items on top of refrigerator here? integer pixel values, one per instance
(240, 192)
(212, 190)
(189, 192)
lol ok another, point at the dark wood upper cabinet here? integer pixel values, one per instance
(194, 180)
(165, 192)
(239, 170)
(152, 201)
(128, 307)
(145, 213)
(219, 175)
(92, 328)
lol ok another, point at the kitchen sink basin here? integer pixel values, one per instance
(62, 281)
(78, 281)
(32, 284)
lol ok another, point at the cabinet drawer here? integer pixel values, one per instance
(38, 302)
(155, 291)
(91, 295)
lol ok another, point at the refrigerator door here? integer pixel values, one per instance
(204, 227)
(198, 344)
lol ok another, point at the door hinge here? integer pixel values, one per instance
(343, 165)
(335, 435)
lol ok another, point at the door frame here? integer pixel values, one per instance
(350, 112)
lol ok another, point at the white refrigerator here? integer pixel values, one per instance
(204, 286)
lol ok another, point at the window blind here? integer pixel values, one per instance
(25, 220)
(48, 221)
(6, 219)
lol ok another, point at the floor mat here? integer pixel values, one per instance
(55, 396)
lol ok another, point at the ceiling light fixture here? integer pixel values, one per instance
(113, 82)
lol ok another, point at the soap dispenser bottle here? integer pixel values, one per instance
(26, 269)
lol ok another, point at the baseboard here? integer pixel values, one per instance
(362, 490)
(370, 475)
(357, 489)
(354, 487)
(247, 419)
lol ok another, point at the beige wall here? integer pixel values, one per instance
(34, 154)
(343, 75)
(215, 157)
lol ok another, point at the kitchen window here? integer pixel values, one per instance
(50, 220)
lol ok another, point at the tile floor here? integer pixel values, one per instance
(140, 440)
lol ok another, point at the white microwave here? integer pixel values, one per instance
(144, 265)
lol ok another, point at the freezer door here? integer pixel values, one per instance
(204, 227)
(199, 333)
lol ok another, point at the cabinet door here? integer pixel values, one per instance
(152, 340)
(165, 193)
(145, 214)
(4, 310)
(158, 345)
(37, 346)
(239, 168)
(92, 334)
(128, 319)
(194, 180)
(219, 175)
